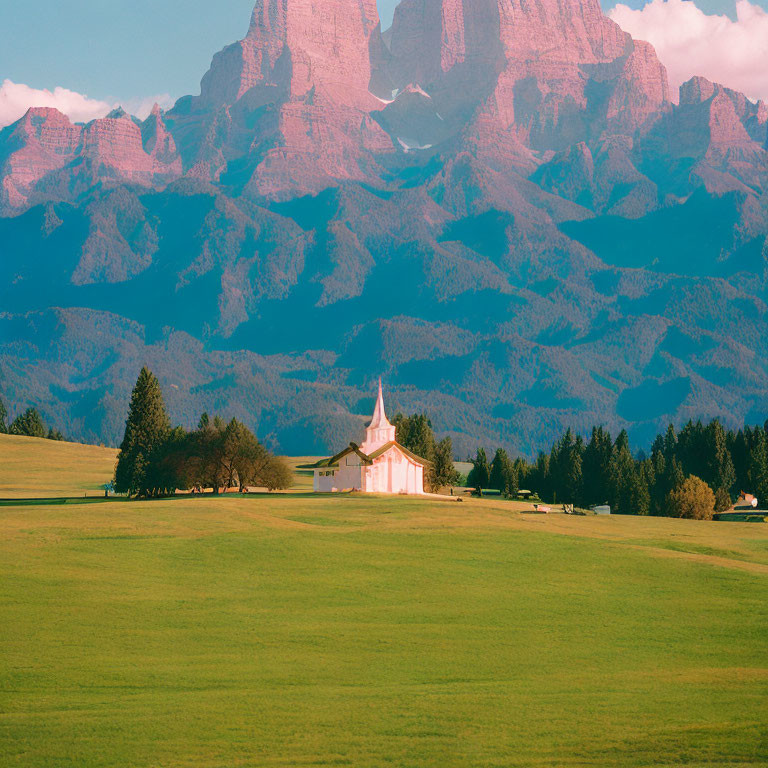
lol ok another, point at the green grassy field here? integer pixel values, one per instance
(298, 631)
(30, 467)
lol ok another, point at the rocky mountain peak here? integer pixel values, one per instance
(300, 49)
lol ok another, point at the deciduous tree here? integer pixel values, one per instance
(693, 500)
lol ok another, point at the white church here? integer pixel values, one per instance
(379, 465)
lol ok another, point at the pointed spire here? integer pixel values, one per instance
(379, 416)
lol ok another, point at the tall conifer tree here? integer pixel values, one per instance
(3, 419)
(596, 467)
(443, 470)
(480, 474)
(146, 429)
(720, 473)
(499, 469)
(622, 475)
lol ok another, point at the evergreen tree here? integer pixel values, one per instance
(421, 438)
(669, 480)
(692, 449)
(719, 472)
(499, 470)
(146, 430)
(723, 500)
(670, 443)
(503, 474)
(28, 424)
(674, 475)
(444, 472)
(757, 465)
(640, 488)
(479, 476)
(511, 481)
(596, 468)
(739, 451)
(539, 477)
(656, 474)
(3, 419)
(55, 434)
(622, 475)
(415, 433)
(573, 462)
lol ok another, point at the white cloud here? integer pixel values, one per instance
(142, 107)
(690, 42)
(17, 98)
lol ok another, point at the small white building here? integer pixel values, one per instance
(379, 465)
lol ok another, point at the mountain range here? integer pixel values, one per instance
(496, 205)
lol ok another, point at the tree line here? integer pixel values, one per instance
(27, 424)
(695, 473)
(156, 459)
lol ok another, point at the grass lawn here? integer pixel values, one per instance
(296, 630)
(31, 467)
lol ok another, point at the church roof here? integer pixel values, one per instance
(333, 462)
(394, 444)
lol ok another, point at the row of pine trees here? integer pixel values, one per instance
(26, 424)
(156, 460)
(603, 471)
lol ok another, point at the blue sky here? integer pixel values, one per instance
(131, 51)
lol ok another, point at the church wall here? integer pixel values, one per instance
(348, 476)
(394, 473)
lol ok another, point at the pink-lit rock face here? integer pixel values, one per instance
(307, 65)
(299, 49)
(542, 73)
(115, 146)
(290, 110)
(160, 145)
(721, 130)
(52, 159)
(43, 141)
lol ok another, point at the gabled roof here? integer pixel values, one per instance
(353, 448)
(333, 462)
(322, 464)
(394, 444)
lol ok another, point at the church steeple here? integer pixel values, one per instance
(379, 420)
(379, 431)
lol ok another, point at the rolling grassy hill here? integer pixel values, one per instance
(31, 467)
(295, 630)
